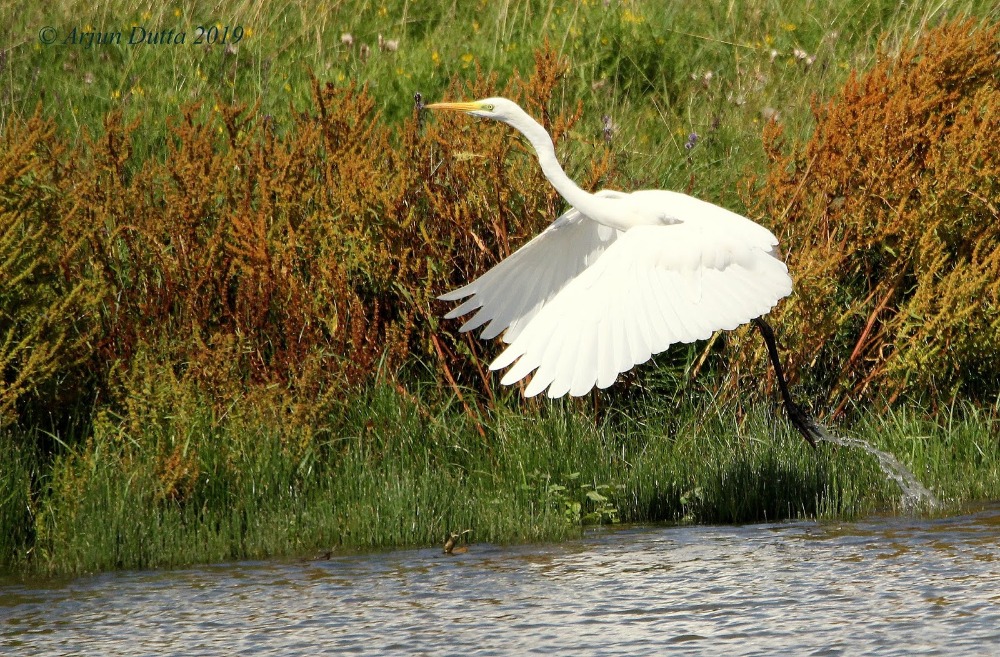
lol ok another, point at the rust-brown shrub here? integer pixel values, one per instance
(889, 218)
(287, 263)
(46, 313)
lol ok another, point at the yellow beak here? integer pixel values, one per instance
(459, 107)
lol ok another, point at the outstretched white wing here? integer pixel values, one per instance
(654, 286)
(511, 294)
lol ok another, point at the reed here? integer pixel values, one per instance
(218, 264)
(391, 472)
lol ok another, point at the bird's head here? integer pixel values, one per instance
(498, 109)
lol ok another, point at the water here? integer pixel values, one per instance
(888, 586)
(914, 496)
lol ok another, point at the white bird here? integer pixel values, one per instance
(617, 278)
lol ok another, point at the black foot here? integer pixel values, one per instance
(803, 422)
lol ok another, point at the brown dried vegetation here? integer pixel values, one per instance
(287, 261)
(890, 218)
(45, 310)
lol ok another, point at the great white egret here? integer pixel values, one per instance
(619, 277)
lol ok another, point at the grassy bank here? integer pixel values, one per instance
(660, 71)
(385, 473)
(219, 337)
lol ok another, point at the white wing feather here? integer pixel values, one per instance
(655, 286)
(582, 302)
(509, 295)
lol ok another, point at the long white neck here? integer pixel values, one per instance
(601, 210)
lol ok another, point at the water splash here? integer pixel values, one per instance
(915, 495)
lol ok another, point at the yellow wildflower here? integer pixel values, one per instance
(629, 17)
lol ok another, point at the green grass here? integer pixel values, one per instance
(643, 63)
(390, 472)
(385, 470)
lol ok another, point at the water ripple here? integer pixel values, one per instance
(885, 587)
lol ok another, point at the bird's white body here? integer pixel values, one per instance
(617, 278)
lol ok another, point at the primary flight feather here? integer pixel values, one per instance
(617, 278)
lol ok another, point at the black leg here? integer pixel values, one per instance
(799, 418)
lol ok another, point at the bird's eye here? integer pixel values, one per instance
(488, 108)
